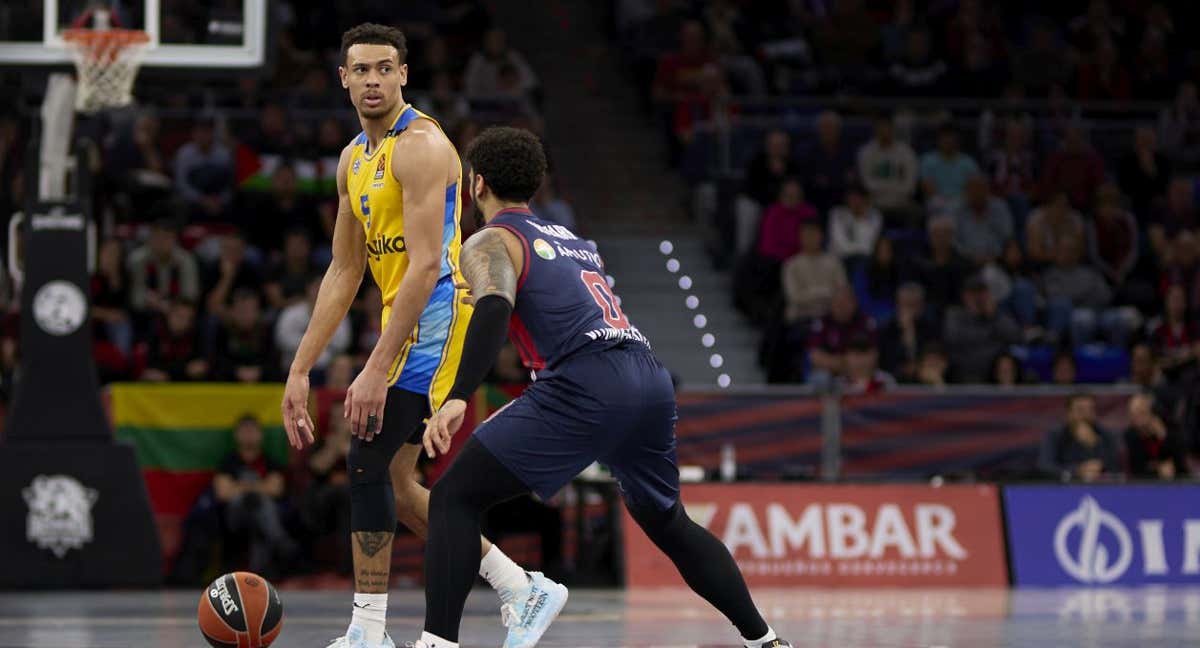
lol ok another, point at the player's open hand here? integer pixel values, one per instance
(296, 420)
(442, 425)
(364, 403)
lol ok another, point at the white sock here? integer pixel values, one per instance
(504, 575)
(758, 643)
(370, 614)
(434, 641)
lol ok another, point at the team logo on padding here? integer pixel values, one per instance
(60, 513)
(544, 250)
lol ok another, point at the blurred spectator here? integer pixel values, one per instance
(1153, 449)
(1013, 284)
(1143, 368)
(920, 72)
(976, 332)
(289, 276)
(1144, 174)
(242, 351)
(1079, 449)
(135, 161)
(863, 375)
(933, 366)
(1178, 214)
(549, 205)
(293, 322)
(1075, 168)
(1078, 299)
(854, 226)
(883, 275)
(366, 334)
(1102, 76)
(1006, 371)
(1064, 370)
(11, 163)
(110, 298)
(1176, 337)
(283, 209)
(516, 106)
(943, 270)
(889, 170)
(830, 337)
(251, 489)
(1114, 242)
(1182, 264)
(1012, 168)
(778, 237)
(1049, 225)
(828, 167)
(903, 339)
(945, 171)
(340, 373)
(160, 271)
(325, 505)
(983, 224)
(443, 101)
(174, 351)
(204, 173)
(1179, 126)
(232, 272)
(273, 138)
(482, 76)
(811, 277)
(765, 176)
(1042, 63)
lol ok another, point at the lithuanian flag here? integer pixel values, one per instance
(182, 432)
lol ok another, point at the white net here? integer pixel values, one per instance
(107, 62)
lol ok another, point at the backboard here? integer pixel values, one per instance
(183, 33)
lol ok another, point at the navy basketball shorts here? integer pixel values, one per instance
(616, 406)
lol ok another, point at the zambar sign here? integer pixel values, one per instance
(790, 534)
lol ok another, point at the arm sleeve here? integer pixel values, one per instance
(485, 335)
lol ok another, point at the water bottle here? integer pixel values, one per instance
(728, 463)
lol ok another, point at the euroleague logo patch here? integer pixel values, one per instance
(544, 250)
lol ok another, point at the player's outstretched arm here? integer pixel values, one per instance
(491, 262)
(421, 162)
(338, 289)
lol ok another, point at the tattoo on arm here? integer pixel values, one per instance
(488, 268)
(370, 542)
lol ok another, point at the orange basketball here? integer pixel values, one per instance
(240, 610)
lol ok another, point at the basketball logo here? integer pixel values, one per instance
(379, 169)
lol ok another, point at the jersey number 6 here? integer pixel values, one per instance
(604, 299)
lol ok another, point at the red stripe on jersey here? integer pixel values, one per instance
(524, 343)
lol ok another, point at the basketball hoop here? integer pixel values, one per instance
(106, 62)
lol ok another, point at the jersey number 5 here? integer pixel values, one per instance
(604, 299)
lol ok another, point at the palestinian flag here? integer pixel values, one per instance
(182, 432)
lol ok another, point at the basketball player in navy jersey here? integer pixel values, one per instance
(599, 394)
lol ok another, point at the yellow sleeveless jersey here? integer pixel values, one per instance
(428, 361)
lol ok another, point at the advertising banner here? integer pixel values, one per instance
(840, 535)
(1104, 535)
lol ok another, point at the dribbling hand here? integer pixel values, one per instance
(296, 421)
(442, 425)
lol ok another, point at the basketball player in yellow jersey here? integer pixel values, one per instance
(398, 212)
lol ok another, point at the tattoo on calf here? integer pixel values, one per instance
(370, 542)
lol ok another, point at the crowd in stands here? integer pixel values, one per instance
(993, 239)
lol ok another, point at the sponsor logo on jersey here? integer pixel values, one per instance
(383, 245)
(381, 167)
(356, 166)
(544, 250)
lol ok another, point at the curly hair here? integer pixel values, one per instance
(511, 161)
(375, 34)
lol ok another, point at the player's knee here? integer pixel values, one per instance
(367, 463)
(655, 521)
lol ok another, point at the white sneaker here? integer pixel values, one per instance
(356, 638)
(535, 608)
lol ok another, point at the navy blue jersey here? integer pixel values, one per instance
(564, 304)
